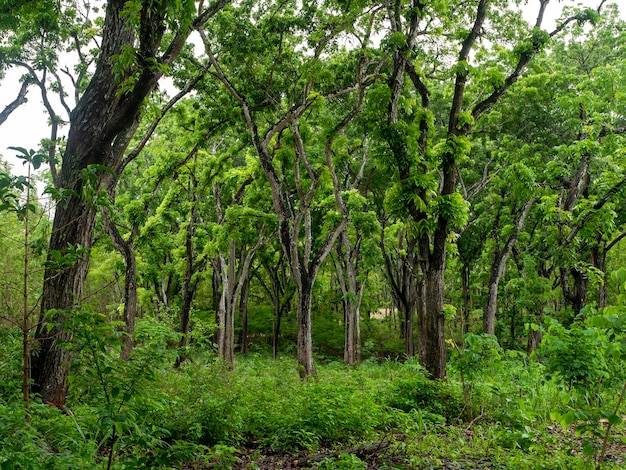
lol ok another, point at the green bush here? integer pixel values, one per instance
(576, 355)
(414, 391)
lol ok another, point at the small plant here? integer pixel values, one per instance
(478, 353)
(576, 355)
(112, 385)
(343, 462)
(434, 400)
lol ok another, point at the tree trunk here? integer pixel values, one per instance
(420, 295)
(576, 296)
(192, 268)
(534, 336)
(305, 338)
(243, 310)
(405, 288)
(228, 349)
(220, 311)
(62, 291)
(434, 358)
(498, 268)
(465, 281)
(127, 251)
(352, 293)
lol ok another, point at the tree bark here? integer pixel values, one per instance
(434, 357)
(304, 336)
(279, 291)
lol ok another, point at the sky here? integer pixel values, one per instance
(28, 125)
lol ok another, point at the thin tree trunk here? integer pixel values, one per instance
(243, 310)
(534, 336)
(126, 249)
(220, 312)
(498, 268)
(465, 281)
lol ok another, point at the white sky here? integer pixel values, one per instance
(28, 125)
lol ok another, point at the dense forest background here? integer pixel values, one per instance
(235, 198)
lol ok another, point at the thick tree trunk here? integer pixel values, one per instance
(305, 338)
(94, 126)
(434, 358)
(101, 127)
(101, 116)
(62, 291)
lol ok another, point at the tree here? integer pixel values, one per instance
(280, 135)
(427, 149)
(133, 57)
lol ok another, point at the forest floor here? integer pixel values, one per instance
(395, 454)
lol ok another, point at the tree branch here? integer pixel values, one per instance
(17, 102)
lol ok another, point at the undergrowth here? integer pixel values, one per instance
(146, 414)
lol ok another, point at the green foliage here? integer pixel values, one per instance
(343, 462)
(480, 353)
(576, 355)
(114, 391)
(415, 391)
(603, 340)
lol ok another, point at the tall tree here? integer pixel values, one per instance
(280, 136)
(426, 148)
(133, 57)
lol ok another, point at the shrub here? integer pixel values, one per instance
(414, 391)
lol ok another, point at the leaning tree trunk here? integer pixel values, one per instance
(101, 128)
(95, 124)
(62, 291)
